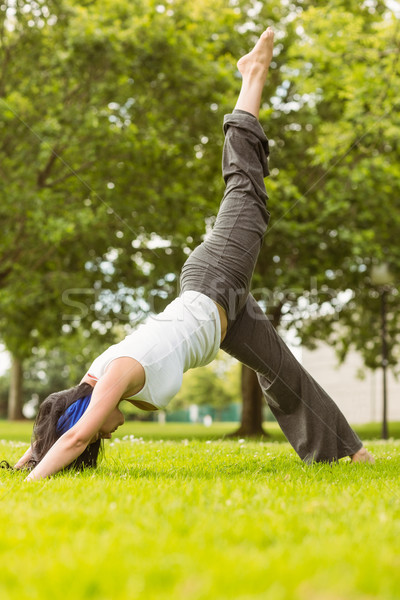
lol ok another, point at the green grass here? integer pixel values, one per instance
(197, 519)
(22, 430)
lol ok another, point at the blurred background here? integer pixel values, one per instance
(110, 151)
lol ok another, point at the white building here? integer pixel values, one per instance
(360, 400)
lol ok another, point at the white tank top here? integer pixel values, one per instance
(185, 335)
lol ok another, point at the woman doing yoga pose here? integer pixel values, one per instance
(215, 309)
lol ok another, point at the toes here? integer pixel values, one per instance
(267, 33)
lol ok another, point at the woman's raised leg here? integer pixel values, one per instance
(222, 266)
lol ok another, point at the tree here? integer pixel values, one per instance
(335, 153)
(102, 87)
(216, 385)
(79, 79)
(364, 184)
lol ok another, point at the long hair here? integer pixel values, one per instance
(45, 432)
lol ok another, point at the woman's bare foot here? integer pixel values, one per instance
(363, 456)
(258, 60)
(254, 68)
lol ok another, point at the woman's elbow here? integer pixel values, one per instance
(76, 440)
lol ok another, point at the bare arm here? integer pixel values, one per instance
(122, 375)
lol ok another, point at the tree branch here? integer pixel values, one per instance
(276, 314)
(44, 173)
(67, 175)
(3, 72)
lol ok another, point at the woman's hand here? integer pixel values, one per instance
(24, 459)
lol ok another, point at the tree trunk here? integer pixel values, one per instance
(15, 395)
(252, 408)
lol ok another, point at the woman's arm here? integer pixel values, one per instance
(122, 374)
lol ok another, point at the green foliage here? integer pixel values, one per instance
(102, 145)
(216, 385)
(335, 177)
(51, 369)
(163, 520)
(110, 142)
(356, 77)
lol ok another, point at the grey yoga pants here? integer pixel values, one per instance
(222, 268)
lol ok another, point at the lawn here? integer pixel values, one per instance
(182, 518)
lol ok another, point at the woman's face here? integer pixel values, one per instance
(113, 421)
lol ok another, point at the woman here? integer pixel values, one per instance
(214, 310)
